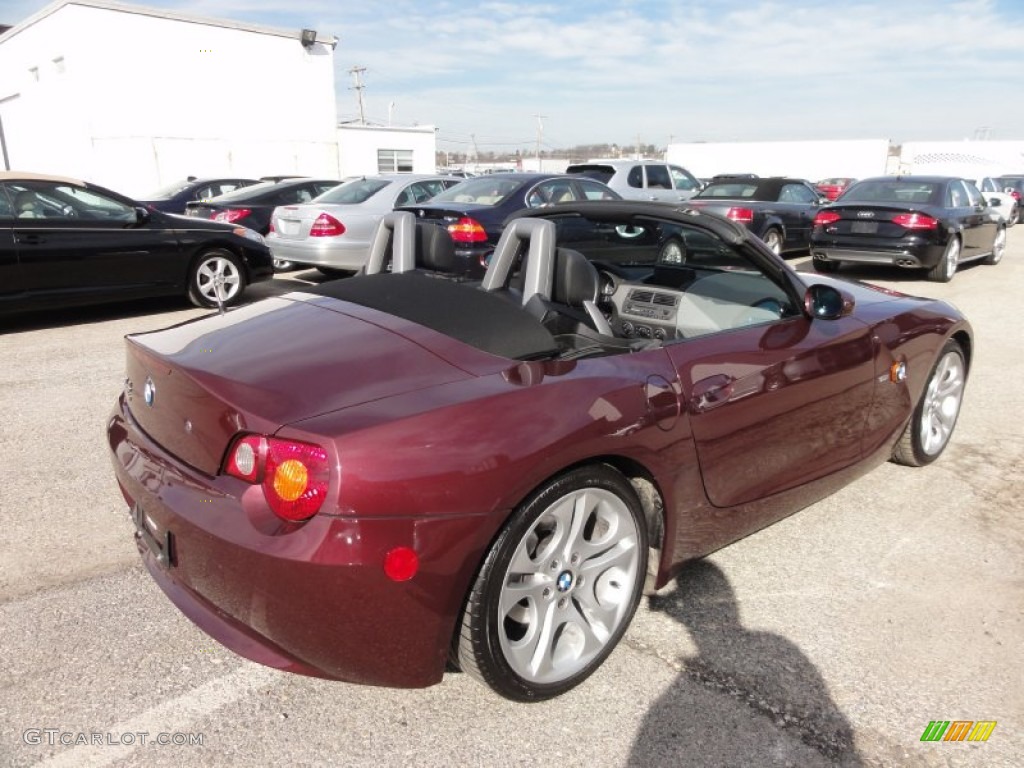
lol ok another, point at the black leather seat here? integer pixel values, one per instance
(575, 284)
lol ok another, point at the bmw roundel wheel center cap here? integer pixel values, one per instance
(565, 581)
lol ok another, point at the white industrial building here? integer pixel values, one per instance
(132, 98)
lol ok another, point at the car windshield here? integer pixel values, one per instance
(602, 173)
(353, 192)
(247, 193)
(893, 191)
(728, 189)
(169, 190)
(481, 190)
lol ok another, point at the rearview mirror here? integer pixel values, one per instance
(826, 302)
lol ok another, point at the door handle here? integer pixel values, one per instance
(711, 392)
(29, 239)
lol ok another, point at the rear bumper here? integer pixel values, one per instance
(910, 256)
(309, 598)
(333, 255)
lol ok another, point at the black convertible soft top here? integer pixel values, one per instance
(463, 311)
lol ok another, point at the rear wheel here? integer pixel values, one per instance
(558, 587)
(216, 273)
(773, 239)
(934, 418)
(823, 266)
(998, 248)
(943, 271)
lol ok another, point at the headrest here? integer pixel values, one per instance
(576, 279)
(434, 248)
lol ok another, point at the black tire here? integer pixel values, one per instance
(944, 270)
(333, 273)
(558, 587)
(212, 268)
(930, 427)
(773, 239)
(823, 266)
(998, 248)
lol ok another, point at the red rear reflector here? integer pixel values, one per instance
(326, 226)
(915, 221)
(467, 230)
(824, 218)
(232, 215)
(401, 564)
(741, 215)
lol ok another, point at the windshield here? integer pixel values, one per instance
(169, 190)
(482, 190)
(353, 192)
(893, 191)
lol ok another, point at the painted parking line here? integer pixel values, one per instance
(173, 716)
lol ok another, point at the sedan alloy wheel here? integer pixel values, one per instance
(217, 277)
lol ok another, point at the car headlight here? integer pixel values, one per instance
(249, 234)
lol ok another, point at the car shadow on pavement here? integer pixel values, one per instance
(870, 273)
(764, 674)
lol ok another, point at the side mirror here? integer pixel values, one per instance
(142, 214)
(827, 302)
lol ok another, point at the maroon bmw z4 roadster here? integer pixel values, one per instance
(381, 476)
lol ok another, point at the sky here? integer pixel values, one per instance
(661, 71)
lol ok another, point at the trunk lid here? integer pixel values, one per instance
(866, 220)
(194, 386)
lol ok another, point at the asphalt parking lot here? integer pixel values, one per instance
(833, 637)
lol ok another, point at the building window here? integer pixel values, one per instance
(394, 161)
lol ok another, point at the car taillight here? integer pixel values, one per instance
(294, 475)
(1016, 195)
(915, 221)
(326, 226)
(467, 230)
(824, 218)
(270, 228)
(232, 215)
(741, 215)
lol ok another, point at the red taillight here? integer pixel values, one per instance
(294, 475)
(231, 215)
(270, 227)
(467, 230)
(1016, 195)
(915, 221)
(326, 226)
(824, 218)
(740, 215)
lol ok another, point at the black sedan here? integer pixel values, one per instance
(916, 222)
(474, 211)
(779, 211)
(173, 197)
(252, 206)
(65, 242)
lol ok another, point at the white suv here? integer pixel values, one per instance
(641, 179)
(1004, 203)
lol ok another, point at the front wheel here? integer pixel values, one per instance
(934, 418)
(216, 274)
(943, 271)
(558, 587)
(998, 248)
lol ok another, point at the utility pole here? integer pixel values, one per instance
(357, 73)
(476, 152)
(540, 137)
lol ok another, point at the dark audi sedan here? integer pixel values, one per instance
(400, 472)
(252, 206)
(933, 223)
(474, 211)
(64, 242)
(779, 211)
